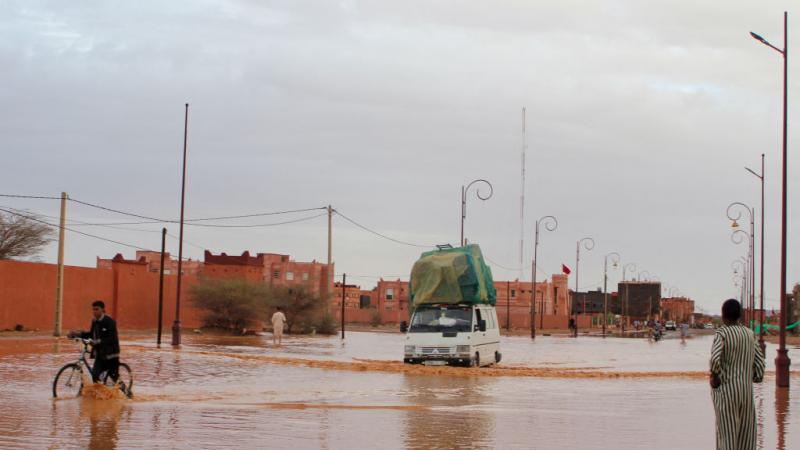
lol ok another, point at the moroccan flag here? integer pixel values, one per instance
(565, 269)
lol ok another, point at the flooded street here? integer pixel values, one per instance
(319, 392)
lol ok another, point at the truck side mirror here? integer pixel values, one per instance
(482, 325)
(403, 326)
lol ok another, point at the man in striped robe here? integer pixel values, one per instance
(736, 363)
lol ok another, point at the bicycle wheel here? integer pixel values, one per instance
(68, 381)
(125, 378)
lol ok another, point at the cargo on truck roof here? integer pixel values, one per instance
(452, 276)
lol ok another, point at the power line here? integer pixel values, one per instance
(379, 234)
(208, 225)
(74, 231)
(40, 197)
(243, 216)
(258, 225)
(157, 220)
(188, 242)
(515, 269)
(104, 208)
(79, 223)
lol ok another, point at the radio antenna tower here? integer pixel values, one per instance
(522, 199)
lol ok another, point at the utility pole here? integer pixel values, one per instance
(522, 205)
(508, 306)
(330, 253)
(161, 285)
(344, 283)
(60, 270)
(761, 264)
(176, 325)
(782, 361)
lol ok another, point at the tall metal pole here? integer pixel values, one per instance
(761, 294)
(522, 203)
(550, 224)
(605, 285)
(782, 361)
(60, 270)
(624, 306)
(463, 212)
(176, 325)
(533, 281)
(605, 294)
(508, 306)
(752, 269)
(464, 190)
(161, 285)
(344, 283)
(588, 244)
(330, 256)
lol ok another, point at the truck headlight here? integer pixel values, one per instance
(462, 349)
(409, 350)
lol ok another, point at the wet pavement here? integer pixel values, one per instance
(319, 392)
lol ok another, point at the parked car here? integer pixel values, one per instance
(670, 325)
(709, 326)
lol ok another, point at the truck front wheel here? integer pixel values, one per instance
(476, 362)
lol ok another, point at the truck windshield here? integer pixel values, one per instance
(433, 320)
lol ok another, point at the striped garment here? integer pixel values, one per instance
(737, 360)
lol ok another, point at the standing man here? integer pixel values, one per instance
(736, 363)
(278, 320)
(105, 342)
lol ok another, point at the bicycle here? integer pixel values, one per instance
(69, 379)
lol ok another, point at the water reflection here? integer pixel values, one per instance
(103, 417)
(457, 417)
(237, 392)
(781, 415)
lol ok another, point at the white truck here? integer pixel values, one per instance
(452, 334)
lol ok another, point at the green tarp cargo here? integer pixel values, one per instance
(450, 276)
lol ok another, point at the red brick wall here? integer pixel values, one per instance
(27, 296)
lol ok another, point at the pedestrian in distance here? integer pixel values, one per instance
(278, 321)
(736, 363)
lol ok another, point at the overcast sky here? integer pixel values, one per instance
(641, 116)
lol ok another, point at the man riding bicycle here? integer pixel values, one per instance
(105, 342)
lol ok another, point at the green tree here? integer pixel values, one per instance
(301, 306)
(230, 304)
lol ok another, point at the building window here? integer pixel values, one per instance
(290, 276)
(305, 276)
(513, 293)
(389, 294)
(276, 274)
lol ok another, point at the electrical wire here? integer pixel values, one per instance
(158, 220)
(124, 213)
(379, 234)
(40, 197)
(74, 231)
(516, 269)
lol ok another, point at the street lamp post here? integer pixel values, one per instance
(747, 293)
(761, 268)
(735, 237)
(588, 244)
(739, 266)
(625, 267)
(550, 224)
(464, 190)
(176, 325)
(782, 361)
(615, 257)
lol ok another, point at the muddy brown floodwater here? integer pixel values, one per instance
(320, 392)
